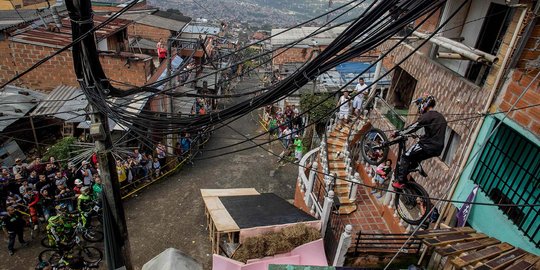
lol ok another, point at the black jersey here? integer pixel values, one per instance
(434, 125)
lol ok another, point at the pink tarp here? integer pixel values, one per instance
(308, 254)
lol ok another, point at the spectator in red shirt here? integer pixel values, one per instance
(162, 53)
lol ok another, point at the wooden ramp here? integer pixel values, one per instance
(464, 248)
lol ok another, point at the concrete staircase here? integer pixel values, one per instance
(337, 141)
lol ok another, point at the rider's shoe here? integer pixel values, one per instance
(398, 185)
(421, 171)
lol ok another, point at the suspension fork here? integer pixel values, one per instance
(401, 149)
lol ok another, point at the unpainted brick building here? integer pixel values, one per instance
(23, 47)
(492, 140)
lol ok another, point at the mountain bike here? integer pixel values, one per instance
(72, 256)
(88, 234)
(412, 202)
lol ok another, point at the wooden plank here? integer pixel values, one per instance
(475, 256)
(466, 246)
(228, 192)
(223, 221)
(437, 232)
(524, 263)
(503, 260)
(453, 238)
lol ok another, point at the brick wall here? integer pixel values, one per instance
(16, 57)
(517, 83)
(292, 55)
(299, 55)
(148, 32)
(519, 78)
(457, 99)
(455, 95)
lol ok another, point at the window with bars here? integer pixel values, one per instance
(508, 171)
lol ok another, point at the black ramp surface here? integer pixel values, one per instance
(262, 210)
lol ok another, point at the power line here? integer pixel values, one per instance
(472, 158)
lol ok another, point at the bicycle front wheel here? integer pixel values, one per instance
(371, 146)
(91, 255)
(51, 256)
(412, 203)
(92, 236)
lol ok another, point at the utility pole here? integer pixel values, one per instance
(117, 248)
(170, 137)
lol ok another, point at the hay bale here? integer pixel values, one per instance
(274, 243)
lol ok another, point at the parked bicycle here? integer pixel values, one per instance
(72, 255)
(74, 221)
(412, 201)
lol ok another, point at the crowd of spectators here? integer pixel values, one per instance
(288, 127)
(30, 190)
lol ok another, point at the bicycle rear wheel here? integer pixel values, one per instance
(370, 146)
(48, 243)
(91, 255)
(412, 204)
(51, 256)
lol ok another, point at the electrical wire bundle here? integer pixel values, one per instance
(375, 25)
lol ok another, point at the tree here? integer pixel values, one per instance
(317, 112)
(63, 149)
(308, 102)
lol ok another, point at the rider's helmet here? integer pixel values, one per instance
(85, 190)
(61, 209)
(424, 102)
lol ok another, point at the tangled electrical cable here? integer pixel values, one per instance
(373, 27)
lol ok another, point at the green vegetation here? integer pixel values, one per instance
(308, 101)
(63, 149)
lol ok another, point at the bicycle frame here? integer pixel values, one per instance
(401, 148)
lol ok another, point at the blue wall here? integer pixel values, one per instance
(489, 219)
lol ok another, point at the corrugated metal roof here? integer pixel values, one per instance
(64, 102)
(131, 107)
(11, 18)
(172, 16)
(294, 34)
(202, 29)
(142, 43)
(42, 36)
(16, 103)
(155, 21)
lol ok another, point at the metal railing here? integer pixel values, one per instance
(385, 243)
(174, 165)
(395, 118)
(507, 172)
(333, 233)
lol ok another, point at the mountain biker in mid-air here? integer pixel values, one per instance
(431, 144)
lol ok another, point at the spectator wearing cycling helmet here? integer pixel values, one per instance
(85, 204)
(430, 144)
(58, 228)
